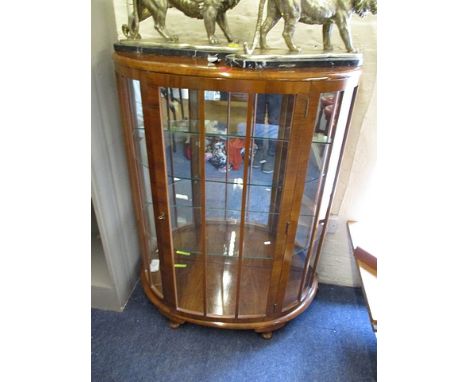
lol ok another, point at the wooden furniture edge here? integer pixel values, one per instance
(362, 265)
(199, 67)
(258, 326)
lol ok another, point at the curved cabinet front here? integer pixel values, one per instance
(233, 172)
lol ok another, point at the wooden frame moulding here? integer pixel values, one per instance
(201, 160)
(241, 85)
(299, 111)
(302, 135)
(152, 116)
(171, 151)
(281, 149)
(185, 66)
(195, 163)
(228, 122)
(140, 164)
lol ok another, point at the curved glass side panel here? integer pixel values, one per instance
(141, 158)
(346, 99)
(307, 233)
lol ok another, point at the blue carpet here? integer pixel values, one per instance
(330, 341)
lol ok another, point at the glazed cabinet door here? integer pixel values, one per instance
(135, 137)
(292, 218)
(315, 183)
(225, 166)
(154, 135)
(221, 183)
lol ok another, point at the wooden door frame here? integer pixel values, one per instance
(301, 135)
(154, 132)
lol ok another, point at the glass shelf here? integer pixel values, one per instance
(219, 129)
(225, 197)
(261, 131)
(188, 254)
(229, 212)
(234, 182)
(312, 176)
(229, 201)
(223, 241)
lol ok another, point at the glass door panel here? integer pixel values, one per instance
(340, 124)
(141, 159)
(180, 120)
(188, 258)
(221, 286)
(306, 237)
(265, 181)
(225, 204)
(224, 164)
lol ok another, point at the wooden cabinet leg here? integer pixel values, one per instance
(267, 333)
(175, 325)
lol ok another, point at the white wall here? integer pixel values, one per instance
(110, 184)
(336, 265)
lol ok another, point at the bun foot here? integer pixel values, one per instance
(175, 325)
(267, 335)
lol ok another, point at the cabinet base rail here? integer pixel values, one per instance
(264, 326)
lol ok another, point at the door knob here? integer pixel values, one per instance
(162, 216)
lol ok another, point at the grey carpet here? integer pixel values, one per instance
(330, 341)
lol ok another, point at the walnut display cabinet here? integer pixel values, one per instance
(233, 173)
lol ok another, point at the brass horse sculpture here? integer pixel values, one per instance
(324, 12)
(211, 11)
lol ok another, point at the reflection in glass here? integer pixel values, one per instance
(326, 119)
(265, 181)
(145, 185)
(306, 229)
(179, 112)
(224, 163)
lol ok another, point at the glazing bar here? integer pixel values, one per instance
(251, 105)
(227, 155)
(172, 150)
(157, 163)
(201, 161)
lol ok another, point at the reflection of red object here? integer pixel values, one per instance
(188, 151)
(328, 100)
(234, 152)
(328, 111)
(327, 104)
